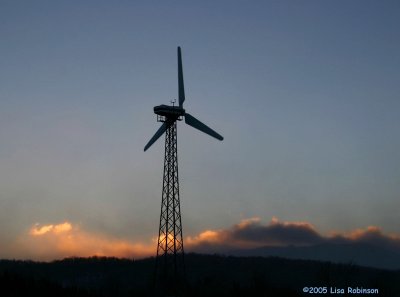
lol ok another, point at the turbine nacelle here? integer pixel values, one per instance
(168, 111)
(170, 114)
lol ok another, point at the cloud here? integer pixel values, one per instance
(371, 235)
(55, 241)
(252, 233)
(66, 239)
(63, 227)
(276, 233)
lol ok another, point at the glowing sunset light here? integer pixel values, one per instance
(54, 241)
(252, 233)
(63, 227)
(209, 236)
(170, 237)
(248, 222)
(276, 221)
(37, 231)
(67, 239)
(162, 238)
(368, 233)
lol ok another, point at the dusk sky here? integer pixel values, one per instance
(305, 93)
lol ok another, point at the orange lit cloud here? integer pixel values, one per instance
(66, 239)
(361, 233)
(55, 241)
(371, 234)
(252, 221)
(252, 233)
(208, 236)
(37, 230)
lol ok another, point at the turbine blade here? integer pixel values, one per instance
(159, 132)
(195, 123)
(181, 87)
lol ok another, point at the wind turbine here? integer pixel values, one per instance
(169, 271)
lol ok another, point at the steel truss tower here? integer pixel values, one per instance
(169, 276)
(170, 266)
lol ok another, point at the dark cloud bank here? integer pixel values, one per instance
(300, 240)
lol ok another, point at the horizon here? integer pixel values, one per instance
(63, 241)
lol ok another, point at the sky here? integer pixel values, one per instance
(305, 93)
